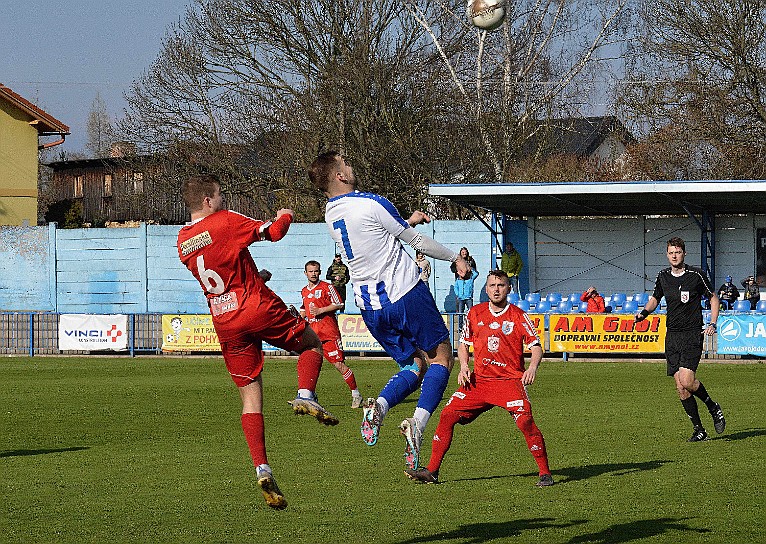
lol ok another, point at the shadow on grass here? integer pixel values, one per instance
(741, 435)
(635, 530)
(44, 451)
(476, 533)
(573, 474)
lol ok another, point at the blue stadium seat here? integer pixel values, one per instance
(574, 298)
(761, 306)
(523, 304)
(583, 307)
(513, 298)
(564, 307)
(542, 307)
(742, 306)
(554, 298)
(630, 307)
(641, 298)
(532, 298)
(618, 299)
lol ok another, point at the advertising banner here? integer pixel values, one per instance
(193, 333)
(355, 335)
(742, 334)
(603, 333)
(189, 333)
(539, 322)
(93, 332)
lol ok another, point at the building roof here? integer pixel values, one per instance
(45, 122)
(579, 136)
(610, 198)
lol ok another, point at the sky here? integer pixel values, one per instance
(60, 54)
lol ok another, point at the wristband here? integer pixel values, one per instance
(645, 313)
(715, 327)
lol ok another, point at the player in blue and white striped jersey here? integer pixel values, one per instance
(398, 308)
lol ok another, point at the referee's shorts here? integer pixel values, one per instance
(683, 349)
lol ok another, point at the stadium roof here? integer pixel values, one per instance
(610, 198)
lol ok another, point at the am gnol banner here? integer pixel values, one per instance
(606, 333)
(743, 334)
(86, 332)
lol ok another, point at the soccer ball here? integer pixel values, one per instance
(486, 14)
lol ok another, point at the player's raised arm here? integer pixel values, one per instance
(418, 218)
(277, 228)
(431, 248)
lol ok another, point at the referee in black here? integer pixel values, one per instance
(683, 286)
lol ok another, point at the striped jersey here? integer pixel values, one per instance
(365, 226)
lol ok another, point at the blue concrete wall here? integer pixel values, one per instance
(137, 270)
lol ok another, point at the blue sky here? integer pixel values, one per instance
(59, 54)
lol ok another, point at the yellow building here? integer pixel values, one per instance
(21, 126)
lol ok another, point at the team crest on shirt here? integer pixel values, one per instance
(507, 327)
(684, 296)
(493, 343)
(317, 293)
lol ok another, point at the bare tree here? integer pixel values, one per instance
(542, 64)
(698, 89)
(101, 134)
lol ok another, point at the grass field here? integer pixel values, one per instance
(151, 450)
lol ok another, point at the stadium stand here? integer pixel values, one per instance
(618, 299)
(554, 298)
(641, 298)
(630, 307)
(544, 306)
(532, 298)
(513, 298)
(761, 306)
(523, 304)
(742, 306)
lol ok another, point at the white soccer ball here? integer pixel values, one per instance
(486, 14)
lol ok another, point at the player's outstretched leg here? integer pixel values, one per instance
(270, 489)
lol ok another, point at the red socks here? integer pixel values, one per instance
(349, 378)
(252, 424)
(309, 365)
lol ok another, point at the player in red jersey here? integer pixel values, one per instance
(498, 332)
(320, 302)
(214, 247)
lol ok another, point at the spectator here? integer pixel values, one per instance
(467, 257)
(728, 294)
(424, 267)
(337, 273)
(752, 292)
(512, 264)
(464, 295)
(594, 300)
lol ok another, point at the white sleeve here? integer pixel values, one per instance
(427, 246)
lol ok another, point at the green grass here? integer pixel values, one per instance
(150, 450)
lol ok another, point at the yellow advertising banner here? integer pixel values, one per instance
(355, 335)
(539, 322)
(189, 333)
(602, 333)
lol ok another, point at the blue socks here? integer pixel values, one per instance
(399, 387)
(434, 383)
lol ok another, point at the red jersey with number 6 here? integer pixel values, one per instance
(498, 341)
(321, 295)
(215, 250)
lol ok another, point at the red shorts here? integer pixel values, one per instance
(333, 350)
(244, 354)
(470, 402)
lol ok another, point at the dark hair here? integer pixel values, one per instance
(322, 168)
(499, 274)
(196, 188)
(315, 263)
(677, 242)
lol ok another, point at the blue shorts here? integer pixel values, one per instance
(409, 324)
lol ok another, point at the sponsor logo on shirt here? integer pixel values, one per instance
(224, 303)
(494, 325)
(196, 242)
(492, 362)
